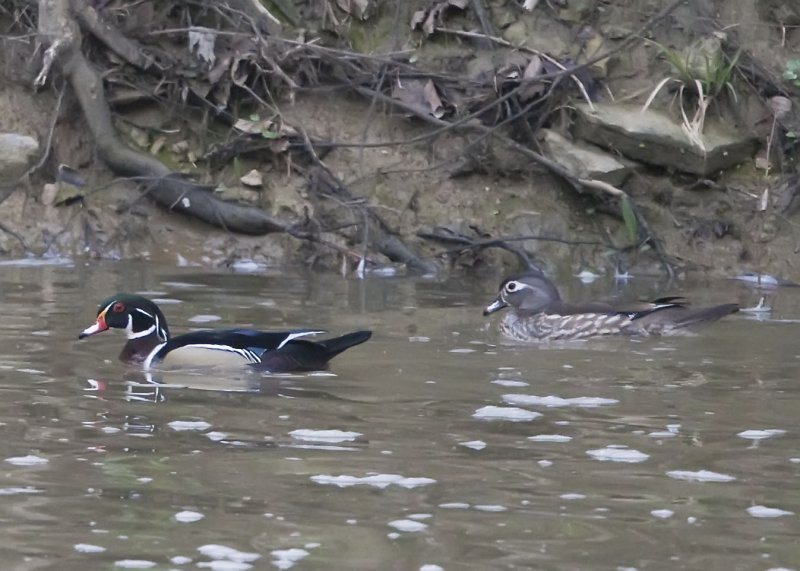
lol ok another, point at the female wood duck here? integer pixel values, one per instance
(538, 314)
(149, 342)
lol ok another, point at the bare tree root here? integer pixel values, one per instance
(58, 26)
(465, 243)
(375, 232)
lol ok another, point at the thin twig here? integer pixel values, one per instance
(18, 237)
(50, 132)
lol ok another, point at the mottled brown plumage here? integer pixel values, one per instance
(537, 313)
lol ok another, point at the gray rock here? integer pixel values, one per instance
(585, 161)
(17, 152)
(654, 138)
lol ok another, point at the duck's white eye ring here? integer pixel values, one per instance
(511, 287)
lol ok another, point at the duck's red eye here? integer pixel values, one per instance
(118, 307)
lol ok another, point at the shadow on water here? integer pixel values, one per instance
(435, 443)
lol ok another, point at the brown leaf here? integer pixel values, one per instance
(357, 8)
(430, 22)
(420, 96)
(417, 19)
(532, 88)
(252, 126)
(432, 98)
(534, 68)
(780, 106)
(427, 19)
(278, 146)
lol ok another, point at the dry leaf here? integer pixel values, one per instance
(532, 89)
(432, 98)
(252, 126)
(427, 19)
(357, 8)
(203, 39)
(780, 106)
(252, 179)
(417, 19)
(534, 68)
(764, 202)
(419, 95)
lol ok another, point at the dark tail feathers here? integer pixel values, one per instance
(705, 314)
(338, 344)
(307, 355)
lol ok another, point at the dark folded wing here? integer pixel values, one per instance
(249, 339)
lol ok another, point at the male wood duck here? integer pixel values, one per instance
(149, 342)
(538, 314)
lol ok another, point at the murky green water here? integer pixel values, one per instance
(448, 455)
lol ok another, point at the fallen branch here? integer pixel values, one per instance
(465, 243)
(376, 233)
(166, 188)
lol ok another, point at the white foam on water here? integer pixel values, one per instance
(552, 401)
(332, 436)
(134, 564)
(618, 454)
(375, 480)
(510, 383)
(287, 558)
(474, 444)
(188, 516)
(761, 434)
(462, 350)
(455, 506)
(490, 508)
(38, 262)
(223, 565)
(408, 525)
(700, 476)
(662, 514)
(572, 496)
(765, 512)
(510, 413)
(29, 460)
(219, 552)
(188, 425)
(246, 266)
(550, 438)
(662, 434)
(88, 548)
(15, 491)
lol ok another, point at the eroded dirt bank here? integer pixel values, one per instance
(447, 185)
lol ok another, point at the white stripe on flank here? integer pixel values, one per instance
(208, 355)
